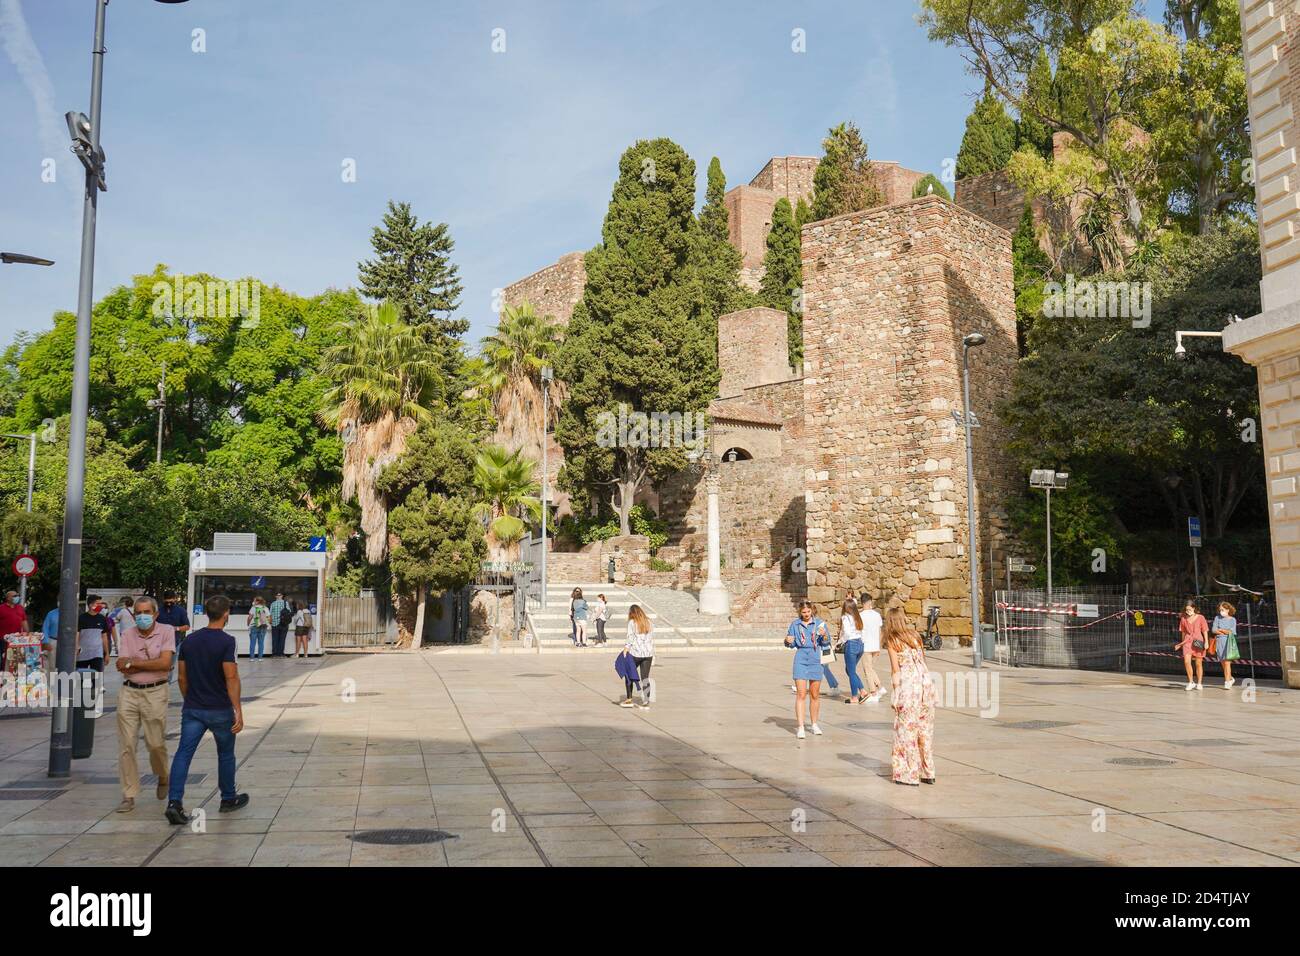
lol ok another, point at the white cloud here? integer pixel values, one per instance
(18, 45)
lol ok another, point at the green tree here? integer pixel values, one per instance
(514, 355)
(989, 140)
(844, 180)
(385, 382)
(639, 338)
(714, 259)
(928, 185)
(508, 494)
(782, 285)
(1040, 97)
(412, 269)
(1030, 270)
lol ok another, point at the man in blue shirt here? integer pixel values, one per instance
(209, 679)
(173, 614)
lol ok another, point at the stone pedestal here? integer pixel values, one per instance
(714, 597)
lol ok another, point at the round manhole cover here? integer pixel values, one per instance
(1139, 762)
(288, 706)
(401, 837)
(1037, 724)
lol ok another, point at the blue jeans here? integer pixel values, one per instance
(193, 725)
(830, 677)
(853, 654)
(256, 642)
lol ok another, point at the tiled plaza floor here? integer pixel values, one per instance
(527, 760)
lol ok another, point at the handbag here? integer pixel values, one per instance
(828, 654)
(1231, 652)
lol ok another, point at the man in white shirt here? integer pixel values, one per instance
(872, 625)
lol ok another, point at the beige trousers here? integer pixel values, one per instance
(137, 708)
(869, 671)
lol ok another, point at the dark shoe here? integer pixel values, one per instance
(229, 806)
(927, 779)
(176, 814)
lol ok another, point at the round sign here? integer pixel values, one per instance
(24, 565)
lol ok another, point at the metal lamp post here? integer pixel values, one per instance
(1049, 479)
(12, 258)
(548, 376)
(85, 144)
(969, 342)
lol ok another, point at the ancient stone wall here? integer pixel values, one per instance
(895, 181)
(889, 294)
(554, 290)
(752, 349)
(993, 196)
(788, 176)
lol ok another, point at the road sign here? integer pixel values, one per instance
(316, 544)
(1194, 532)
(24, 565)
(1017, 566)
(259, 581)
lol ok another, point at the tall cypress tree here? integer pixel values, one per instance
(715, 260)
(639, 338)
(1040, 92)
(989, 140)
(782, 286)
(844, 180)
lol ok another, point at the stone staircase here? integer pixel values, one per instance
(551, 623)
(772, 600)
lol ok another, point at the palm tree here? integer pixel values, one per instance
(524, 343)
(385, 379)
(509, 495)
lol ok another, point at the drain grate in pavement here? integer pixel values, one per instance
(401, 837)
(870, 725)
(1139, 762)
(293, 706)
(1207, 742)
(1038, 724)
(30, 794)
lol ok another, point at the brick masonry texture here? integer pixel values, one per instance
(889, 295)
(554, 290)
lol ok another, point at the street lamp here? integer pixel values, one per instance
(973, 340)
(1049, 479)
(160, 404)
(31, 484)
(12, 258)
(85, 144)
(548, 376)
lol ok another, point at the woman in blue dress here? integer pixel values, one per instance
(807, 636)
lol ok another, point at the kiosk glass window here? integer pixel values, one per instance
(239, 588)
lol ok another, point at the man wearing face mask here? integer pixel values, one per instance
(173, 614)
(92, 625)
(145, 651)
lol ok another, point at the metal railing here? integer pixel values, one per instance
(355, 622)
(1111, 630)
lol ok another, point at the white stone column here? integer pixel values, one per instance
(714, 597)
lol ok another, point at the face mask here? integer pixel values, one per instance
(144, 621)
(14, 599)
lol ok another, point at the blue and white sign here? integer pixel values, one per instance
(259, 581)
(1194, 532)
(198, 609)
(316, 544)
(311, 608)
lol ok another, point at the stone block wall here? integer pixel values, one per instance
(749, 217)
(993, 196)
(889, 294)
(788, 176)
(554, 290)
(752, 349)
(895, 181)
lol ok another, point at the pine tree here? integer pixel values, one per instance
(844, 180)
(413, 270)
(639, 338)
(930, 185)
(802, 213)
(714, 259)
(1039, 92)
(1030, 269)
(782, 286)
(989, 140)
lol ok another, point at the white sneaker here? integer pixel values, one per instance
(799, 733)
(1198, 686)
(1228, 683)
(1191, 685)
(817, 731)
(793, 689)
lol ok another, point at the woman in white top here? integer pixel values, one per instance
(600, 614)
(641, 646)
(301, 630)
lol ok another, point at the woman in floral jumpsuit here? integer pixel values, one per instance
(914, 701)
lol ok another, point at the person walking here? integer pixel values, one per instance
(173, 614)
(123, 617)
(302, 624)
(915, 700)
(807, 635)
(600, 614)
(578, 611)
(851, 648)
(872, 626)
(92, 625)
(1194, 640)
(145, 652)
(13, 620)
(209, 679)
(1225, 632)
(259, 617)
(640, 647)
(280, 615)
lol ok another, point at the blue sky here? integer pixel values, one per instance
(229, 161)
